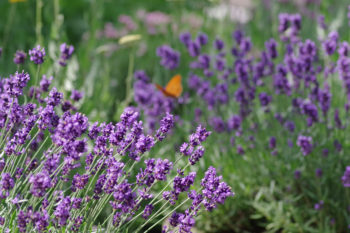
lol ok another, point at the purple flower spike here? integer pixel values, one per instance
(7, 182)
(162, 168)
(37, 55)
(319, 172)
(66, 53)
(214, 190)
(219, 44)
(147, 211)
(265, 99)
(346, 177)
(202, 39)
(305, 143)
(297, 174)
(45, 83)
(330, 44)
(76, 95)
(271, 47)
(319, 205)
(272, 142)
(185, 38)
(62, 212)
(40, 183)
(321, 22)
(170, 58)
(20, 57)
(166, 124)
(194, 48)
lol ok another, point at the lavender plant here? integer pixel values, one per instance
(283, 111)
(59, 172)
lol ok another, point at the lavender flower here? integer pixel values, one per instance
(45, 83)
(265, 99)
(162, 168)
(234, 122)
(271, 47)
(76, 95)
(218, 124)
(330, 44)
(7, 182)
(37, 55)
(240, 150)
(79, 181)
(147, 211)
(22, 221)
(170, 58)
(325, 100)
(346, 177)
(219, 44)
(66, 53)
(40, 183)
(319, 172)
(20, 57)
(344, 49)
(194, 48)
(62, 212)
(185, 38)
(290, 126)
(321, 22)
(202, 39)
(305, 143)
(297, 174)
(214, 190)
(272, 142)
(319, 205)
(165, 125)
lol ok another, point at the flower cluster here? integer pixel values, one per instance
(290, 99)
(20, 57)
(66, 53)
(346, 177)
(170, 58)
(43, 181)
(305, 144)
(151, 101)
(37, 55)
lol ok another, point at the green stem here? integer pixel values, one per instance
(39, 24)
(9, 23)
(160, 220)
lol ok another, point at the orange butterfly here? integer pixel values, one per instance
(173, 88)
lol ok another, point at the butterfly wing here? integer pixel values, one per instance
(159, 87)
(174, 87)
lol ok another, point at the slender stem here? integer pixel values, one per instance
(9, 23)
(36, 153)
(36, 82)
(162, 218)
(56, 25)
(3, 136)
(39, 24)
(159, 193)
(20, 158)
